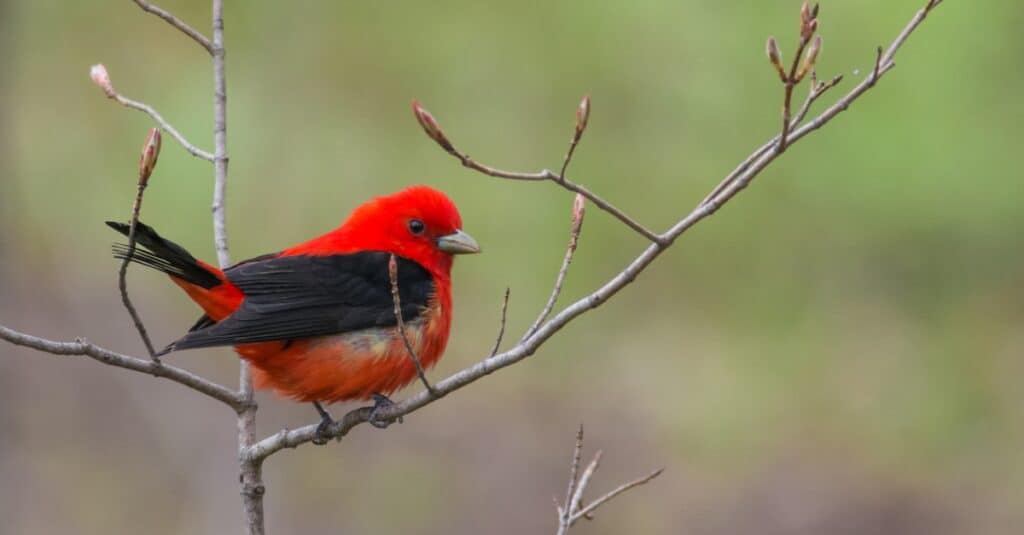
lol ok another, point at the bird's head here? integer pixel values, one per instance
(419, 223)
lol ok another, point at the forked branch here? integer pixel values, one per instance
(433, 130)
(572, 510)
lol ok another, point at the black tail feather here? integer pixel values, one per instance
(155, 252)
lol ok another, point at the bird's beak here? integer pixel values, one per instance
(458, 242)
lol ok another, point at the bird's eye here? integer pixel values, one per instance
(416, 226)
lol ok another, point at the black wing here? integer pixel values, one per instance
(295, 297)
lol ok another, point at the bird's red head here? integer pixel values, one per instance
(419, 223)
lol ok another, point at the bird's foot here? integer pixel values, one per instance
(380, 403)
(323, 435)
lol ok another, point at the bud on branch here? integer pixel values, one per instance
(775, 57)
(431, 127)
(579, 208)
(150, 153)
(582, 116)
(101, 78)
(808, 21)
(810, 58)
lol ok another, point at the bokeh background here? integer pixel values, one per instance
(837, 351)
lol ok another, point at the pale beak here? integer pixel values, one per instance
(458, 242)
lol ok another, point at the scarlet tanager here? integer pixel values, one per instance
(317, 321)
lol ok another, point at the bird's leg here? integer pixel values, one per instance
(322, 435)
(380, 402)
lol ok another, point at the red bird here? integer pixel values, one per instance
(317, 321)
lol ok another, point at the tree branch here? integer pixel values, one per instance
(578, 209)
(501, 325)
(155, 368)
(433, 130)
(741, 177)
(573, 509)
(100, 77)
(150, 152)
(396, 301)
(177, 23)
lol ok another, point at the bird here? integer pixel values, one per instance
(317, 321)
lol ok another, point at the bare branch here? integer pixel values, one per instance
(582, 117)
(816, 91)
(501, 327)
(177, 23)
(155, 368)
(573, 509)
(589, 510)
(808, 25)
(576, 503)
(396, 300)
(101, 78)
(740, 178)
(220, 138)
(578, 210)
(433, 130)
(566, 512)
(150, 153)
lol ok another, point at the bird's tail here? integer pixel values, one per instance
(155, 252)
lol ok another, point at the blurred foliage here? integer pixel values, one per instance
(856, 313)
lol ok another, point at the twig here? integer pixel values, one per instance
(100, 77)
(433, 130)
(813, 95)
(573, 509)
(878, 66)
(177, 23)
(566, 512)
(756, 163)
(588, 510)
(808, 25)
(578, 210)
(190, 148)
(82, 347)
(501, 327)
(582, 117)
(150, 153)
(396, 300)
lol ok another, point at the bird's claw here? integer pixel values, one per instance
(381, 402)
(323, 429)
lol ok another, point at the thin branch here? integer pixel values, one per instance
(122, 278)
(582, 117)
(757, 163)
(155, 368)
(573, 509)
(396, 300)
(150, 153)
(101, 78)
(813, 95)
(587, 511)
(433, 130)
(576, 502)
(565, 513)
(501, 327)
(578, 210)
(177, 23)
(190, 148)
(808, 25)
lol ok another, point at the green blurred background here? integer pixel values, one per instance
(837, 351)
